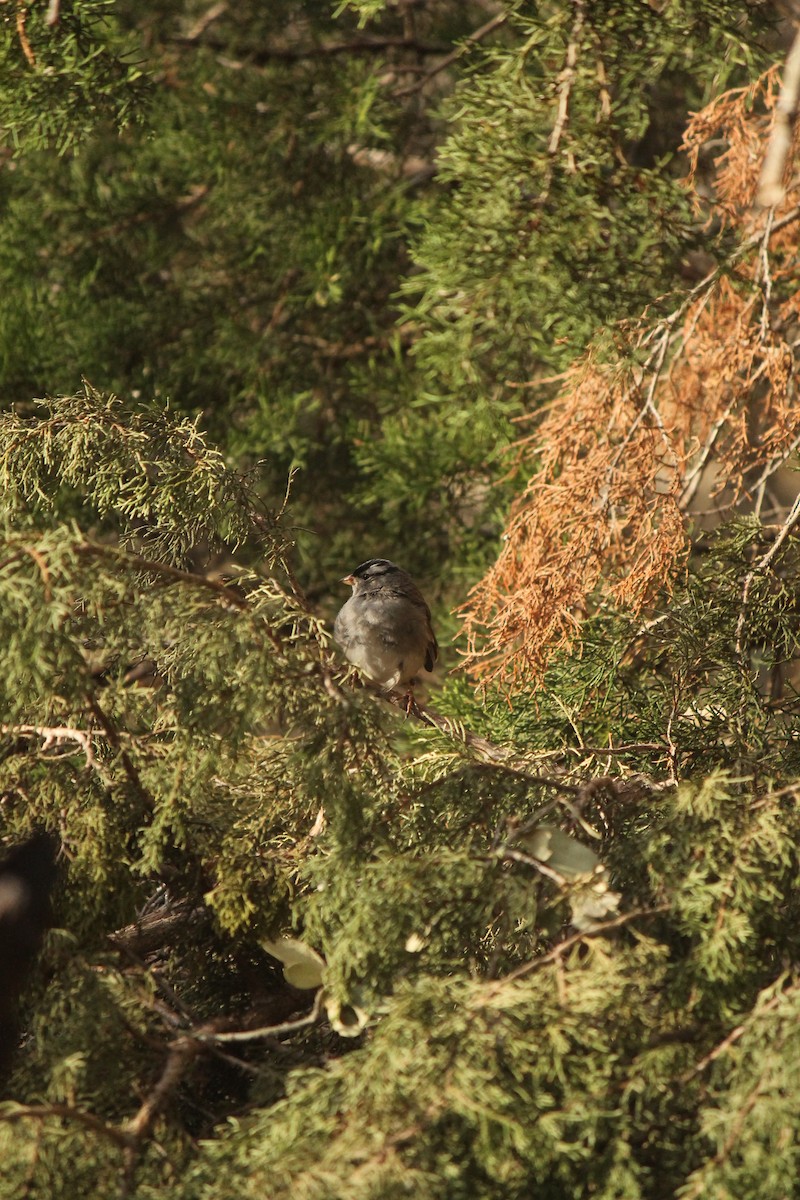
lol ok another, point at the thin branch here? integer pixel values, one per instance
(492, 755)
(181, 1053)
(22, 34)
(733, 1037)
(766, 275)
(64, 1112)
(567, 944)
(691, 480)
(517, 856)
(567, 77)
(603, 751)
(656, 358)
(289, 53)
(271, 1031)
(231, 598)
(713, 275)
(208, 17)
(54, 737)
(111, 732)
(771, 190)
(181, 204)
(471, 40)
(699, 1187)
(43, 571)
(776, 463)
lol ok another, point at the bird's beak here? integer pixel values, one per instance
(351, 579)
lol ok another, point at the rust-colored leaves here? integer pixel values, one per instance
(704, 397)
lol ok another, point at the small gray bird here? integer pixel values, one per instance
(385, 627)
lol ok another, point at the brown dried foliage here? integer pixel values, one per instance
(742, 120)
(703, 396)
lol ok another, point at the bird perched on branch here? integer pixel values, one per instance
(385, 627)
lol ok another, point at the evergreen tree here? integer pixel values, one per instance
(278, 284)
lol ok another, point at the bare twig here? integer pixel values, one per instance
(567, 944)
(231, 598)
(774, 464)
(492, 755)
(691, 481)
(733, 1037)
(771, 190)
(655, 363)
(766, 275)
(182, 1051)
(287, 52)
(703, 284)
(55, 737)
(603, 751)
(63, 1112)
(22, 16)
(208, 17)
(271, 1031)
(529, 861)
(567, 77)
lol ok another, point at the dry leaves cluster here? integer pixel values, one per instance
(700, 403)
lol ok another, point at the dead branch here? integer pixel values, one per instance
(766, 275)
(621, 452)
(266, 1031)
(567, 77)
(55, 737)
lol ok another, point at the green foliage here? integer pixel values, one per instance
(60, 79)
(249, 286)
(547, 210)
(143, 475)
(489, 1066)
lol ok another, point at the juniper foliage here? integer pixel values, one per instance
(313, 248)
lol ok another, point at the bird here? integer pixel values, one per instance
(385, 627)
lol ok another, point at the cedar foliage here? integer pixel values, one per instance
(548, 928)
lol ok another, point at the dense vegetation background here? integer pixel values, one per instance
(484, 287)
